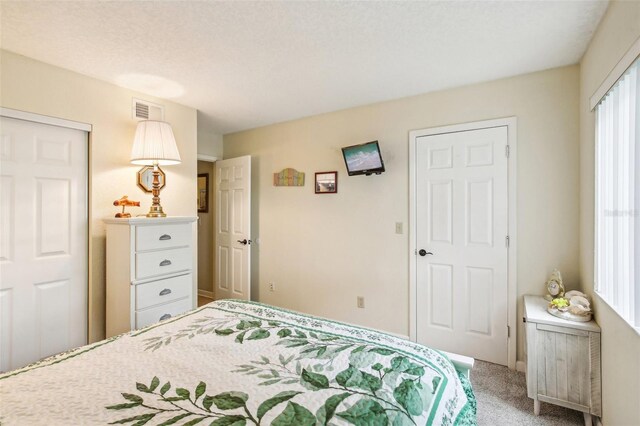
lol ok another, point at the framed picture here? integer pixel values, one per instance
(203, 193)
(326, 182)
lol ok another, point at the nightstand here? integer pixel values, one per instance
(150, 271)
(563, 360)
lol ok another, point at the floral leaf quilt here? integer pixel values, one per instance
(236, 363)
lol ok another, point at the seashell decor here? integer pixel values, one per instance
(574, 306)
(579, 305)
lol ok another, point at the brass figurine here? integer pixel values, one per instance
(125, 202)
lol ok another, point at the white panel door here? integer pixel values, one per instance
(462, 222)
(233, 228)
(43, 241)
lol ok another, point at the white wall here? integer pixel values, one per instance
(210, 144)
(33, 86)
(209, 141)
(322, 251)
(618, 30)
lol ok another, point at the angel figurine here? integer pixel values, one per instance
(555, 288)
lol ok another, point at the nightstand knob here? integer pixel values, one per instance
(165, 262)
(165, 292)
(165, 316)
(165, 237)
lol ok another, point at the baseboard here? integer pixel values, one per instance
(461, 362)
(520, 365)
(205, 293)
(400, 336)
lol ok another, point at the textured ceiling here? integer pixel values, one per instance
(247, 64)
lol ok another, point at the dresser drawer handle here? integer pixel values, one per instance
(165, 262)
(165, 316)
(165, 292)
(165, 237)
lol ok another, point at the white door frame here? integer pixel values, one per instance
(511, 124)
(212, 182)
(85, 127)
(44, 119)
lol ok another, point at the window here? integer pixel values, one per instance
(617, 204)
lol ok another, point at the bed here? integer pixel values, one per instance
(234, 363)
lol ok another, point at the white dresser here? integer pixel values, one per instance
(151, 266)
(563, 360)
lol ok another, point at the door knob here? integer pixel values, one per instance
(244, 242)
(423, 252)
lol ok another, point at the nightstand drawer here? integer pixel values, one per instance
(162, 312)
(163, 291)
(162, 262)
(160, 237)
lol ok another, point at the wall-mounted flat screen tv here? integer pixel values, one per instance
(363, 159)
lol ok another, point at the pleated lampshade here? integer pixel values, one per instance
(154, 143)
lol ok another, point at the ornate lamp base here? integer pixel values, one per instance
(156, 211)
(156, 208)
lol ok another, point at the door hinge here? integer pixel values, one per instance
(506, 241)
(506, 151)
(508, 332)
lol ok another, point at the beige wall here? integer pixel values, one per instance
(206, 235)
(322, 251)
(33, 86)
(618, 30)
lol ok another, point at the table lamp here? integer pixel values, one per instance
(154, 145)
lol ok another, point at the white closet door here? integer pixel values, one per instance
(462, 223)
(43, 241)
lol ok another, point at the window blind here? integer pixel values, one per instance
(617, 237)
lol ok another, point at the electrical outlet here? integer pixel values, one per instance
(398, 227)
(272, 287)
(361, 302)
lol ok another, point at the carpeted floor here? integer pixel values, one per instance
(502, 400)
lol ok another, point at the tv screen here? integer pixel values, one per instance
(363, 159)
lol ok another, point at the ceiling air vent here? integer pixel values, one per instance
(145, 110)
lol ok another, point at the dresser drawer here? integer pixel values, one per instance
(154, 263)
(165, 236)
(162, 312)
(163, 291)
